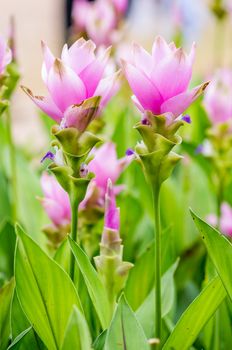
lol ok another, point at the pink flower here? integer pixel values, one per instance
(99, 19)
(218, 97)
(160, 81)
(120, 5)
(106, 165)
(76, 83)
(225, 220)
(5, 55)
(112, 213)
(80, 11)
(55, 201)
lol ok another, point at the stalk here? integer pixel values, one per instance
(13, 167)
(157, 240)
(74, 227)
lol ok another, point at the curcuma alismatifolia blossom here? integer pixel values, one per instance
(105, 165)
(99, 19)
(77, 85)
(5, 55)
(160, 80)
(225, 219)
(218, 97)
(55, 201)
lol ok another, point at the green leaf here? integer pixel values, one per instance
(196, 316)
(93, 283)
(125, 332)
(146, 312)
(16, 344)
(77, 335)
(100, 341)
(62, 255)
(19, 323)
(7, 247)
(6, 293)
(45, 291)
(219, 249)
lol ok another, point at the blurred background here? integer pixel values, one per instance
(51, 20)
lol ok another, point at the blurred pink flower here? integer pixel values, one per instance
(121, 5)
(218, 97)
(5, 55)
(225, 220)
(112, 213)
(106, 165)
(99, 19)
(160, 81)
(74, 83)
(55, 201)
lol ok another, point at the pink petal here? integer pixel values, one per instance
(108, 87)
(160, 50)
(46, 104)
(145, 91)
(65, 86)
(48, 61)
(178, 104)
(79, 55)
(142, 59)
(5, 54)
(93, 73)
(173, 74)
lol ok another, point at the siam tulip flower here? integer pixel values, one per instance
(120, 5)
(55, 201)
(225, 220)
(160, 81)
(77, 86)
(80, 11)
(99, 19)
(5, 55)
(218, 97)
(105, 165)
(101, 22)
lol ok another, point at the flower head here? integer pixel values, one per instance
(55, 201)
(160, 80)
(225, 220)
(105, 165)
(76, 83)
(218, 97)
(99, 19)
(5, 55)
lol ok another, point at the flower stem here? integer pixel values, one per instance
(158, 320)
(13, 167)
(74, 227)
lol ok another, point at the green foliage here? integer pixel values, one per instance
(93, 283)
(38, 280)
(125, 332)
(220, 251)
(196, 316)
(6, 293)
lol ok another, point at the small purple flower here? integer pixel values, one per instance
(48, 155)
(130, 152)
(187, 119)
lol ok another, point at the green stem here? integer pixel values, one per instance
(158, 319)
(13, 167)
(74, 227)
